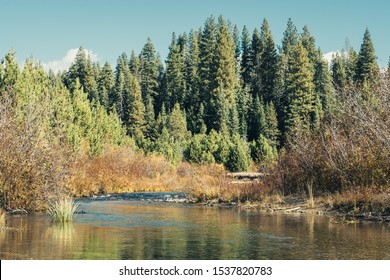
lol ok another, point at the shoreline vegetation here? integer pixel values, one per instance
(222, 102)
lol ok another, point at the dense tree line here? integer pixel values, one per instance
(220, 96)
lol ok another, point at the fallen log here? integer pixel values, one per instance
(246, 175)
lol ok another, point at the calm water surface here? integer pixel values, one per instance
(142, 229)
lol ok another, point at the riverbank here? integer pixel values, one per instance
(322, 207)
(124, 171)
(270, 204)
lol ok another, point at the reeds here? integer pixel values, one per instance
(62, 210)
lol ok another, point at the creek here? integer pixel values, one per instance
(153, 226)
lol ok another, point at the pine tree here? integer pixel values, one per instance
(219, 145)
(267, 64)
(28, 91)
(290, 37)
(117, 96)
(323, 83)
(183, 42)
(338, 73)
(134, 65)
(238, 155)
(350, 58)
(217, 112)
(198, 150)
(243, 99)
(255, 84)
(199, 123)
(166, 146)
(10, 73)
(301, 100)
(317, 114)
(149, 73)
(280, 99)
(207, 63)
(367, 70)
(263, 151)
(135, 110)
(246, 63)
(308, 43)
(83, 117)
(193, 98)
(162, 119)
(322, 79)
(222, 98)
(175, 78)
(151, 125)
(233, 122)
(92, 81)
(289, 40)
(62, 109)
(177, 125)
(257, 120)
(236, 39)
(226, 76)
(105, 85)
(272, 132)
(82, 70)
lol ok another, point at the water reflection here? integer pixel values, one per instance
(156, 230)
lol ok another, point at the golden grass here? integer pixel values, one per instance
(62, 210)
(210, 183)
(121, 170)
(363, 200)
(124, 170)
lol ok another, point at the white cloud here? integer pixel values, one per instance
(65, 62)
(329, 56)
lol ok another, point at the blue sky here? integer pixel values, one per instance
(49, 30)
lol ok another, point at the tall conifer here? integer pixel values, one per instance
(222, 98)
(105, 85)
(367, 69)
(149, 73)
(207, 64)
(301, 98)
(246, 58)
(267, 64)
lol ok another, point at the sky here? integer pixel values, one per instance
(52, 31)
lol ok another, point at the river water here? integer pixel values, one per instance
(144, 226)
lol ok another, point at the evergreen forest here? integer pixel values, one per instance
(223, 98)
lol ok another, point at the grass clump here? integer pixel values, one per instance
(62, 210)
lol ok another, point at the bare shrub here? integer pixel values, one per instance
(350, 153)
(33, 168)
